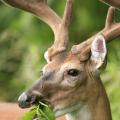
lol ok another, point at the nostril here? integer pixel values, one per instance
(24, 101)
(28, 99)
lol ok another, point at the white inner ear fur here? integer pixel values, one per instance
(98, 50)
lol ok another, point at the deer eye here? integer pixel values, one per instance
(73, 72)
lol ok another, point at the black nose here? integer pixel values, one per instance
(26, 101)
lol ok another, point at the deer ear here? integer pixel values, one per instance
(98, 51)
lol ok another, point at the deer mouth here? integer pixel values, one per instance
(26, 101)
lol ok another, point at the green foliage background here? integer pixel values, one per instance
(24, 39)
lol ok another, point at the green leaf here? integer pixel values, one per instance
(29, 115)
(42, 111)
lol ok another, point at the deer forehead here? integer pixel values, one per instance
(51, 67)
(72, 65)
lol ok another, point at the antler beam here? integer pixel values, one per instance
(40, 9)
(58, 25)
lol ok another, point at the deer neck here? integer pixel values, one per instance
(97, 110)
(80, 114)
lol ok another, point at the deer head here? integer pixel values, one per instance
(70, 79)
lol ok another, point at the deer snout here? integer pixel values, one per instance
(27, 100)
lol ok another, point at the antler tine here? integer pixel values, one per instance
(61, 40)
(62, 37)
(58, 25)
(112, 29)
(40, 9)
(110, 32)
(110, 17)
(67, 13)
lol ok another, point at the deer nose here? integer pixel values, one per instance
(26, 101)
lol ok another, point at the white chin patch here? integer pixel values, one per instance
(61, 112)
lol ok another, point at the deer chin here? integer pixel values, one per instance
(63, 111)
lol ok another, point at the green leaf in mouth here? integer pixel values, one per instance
(40, 112)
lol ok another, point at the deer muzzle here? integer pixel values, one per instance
(31, 96)
(35, 93)
(27, 100)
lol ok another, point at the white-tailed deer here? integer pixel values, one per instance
(71, 81)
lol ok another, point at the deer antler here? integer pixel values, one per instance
(115, 3)
(58, 25)
(110, 32)
(112, 29)
(38, 8)
(61, 40)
